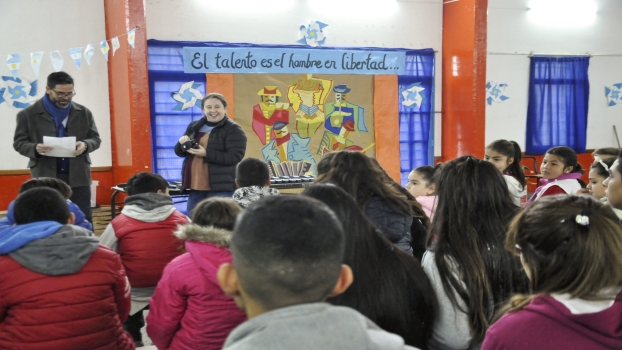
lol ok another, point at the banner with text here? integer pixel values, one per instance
(292, 61)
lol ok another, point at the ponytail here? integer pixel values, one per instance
(511, 149)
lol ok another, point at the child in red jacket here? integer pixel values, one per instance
(143, 235)
(59, 289)
(188, 309)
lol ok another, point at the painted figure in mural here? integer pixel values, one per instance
(342, 118)
(341, 113)
(268, 112)
(288, 147)
(307, 96)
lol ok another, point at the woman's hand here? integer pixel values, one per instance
(201, 152)
(184, 139)
(583, 191)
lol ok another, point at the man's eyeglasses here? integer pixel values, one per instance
(65, 94)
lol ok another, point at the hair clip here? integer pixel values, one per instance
(582, 220)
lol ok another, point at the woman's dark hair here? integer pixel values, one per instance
(600, 169)
(215, 95)
(219, 212)
(356, 174)
(473, 214)
(50, 182)
(568, 157)
(563, 256)
(511, 149)
(389, 287)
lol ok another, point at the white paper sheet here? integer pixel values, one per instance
(63, 146)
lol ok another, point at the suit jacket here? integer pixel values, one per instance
(35, 122)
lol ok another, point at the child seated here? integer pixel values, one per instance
(188, 310)
(56, 184)
(59, 289)
(571, 249)
(252, 177)
(143, 235)
(287, 259)
(422, 185)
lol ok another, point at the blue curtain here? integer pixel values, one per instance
(416, 120)
(558, 103)
(166, 75)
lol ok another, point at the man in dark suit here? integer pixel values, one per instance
(57, 115)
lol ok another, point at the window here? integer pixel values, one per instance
(416, 119)
(558, 103)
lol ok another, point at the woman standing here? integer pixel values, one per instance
(219, 145)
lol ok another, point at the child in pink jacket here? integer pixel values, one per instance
(188, 309)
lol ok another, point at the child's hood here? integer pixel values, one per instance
(208, 246)
(149, 207)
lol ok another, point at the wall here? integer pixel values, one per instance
(511, 30)
(35, 25)
(38, 25)
(381, 23)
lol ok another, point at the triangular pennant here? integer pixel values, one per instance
(104, 47)
(76, 55)
(35, 61)
(115, 44)
(88, 53)
(57, 60)
(131, 37)
(14, 61)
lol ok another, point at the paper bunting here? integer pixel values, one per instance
(88, 53)
(16, 92)
(13, 62)
(57, 60)
(35, 61)
(76, 55)
(313, 34)
(412, 97)
(115, 44)
(105, 48)
(187, 96)
(614, 94)
(131, 37)
(496, 92)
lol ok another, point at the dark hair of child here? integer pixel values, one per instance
(40, 204)
(252, 172)
(219, 212)
(356, 174)
(568, 157)
(473, 214)
(145, 183)
(510, 149)
(600, 169)
(606, 153)
(562, 256)
(49, 182)
(429, 173)
(390, 286)
(287, 250)
(323, 166)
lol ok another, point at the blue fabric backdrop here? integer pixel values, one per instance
(166, 75)
(558, 103)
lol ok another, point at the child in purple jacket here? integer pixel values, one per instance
(571, 249)
(188, 309)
